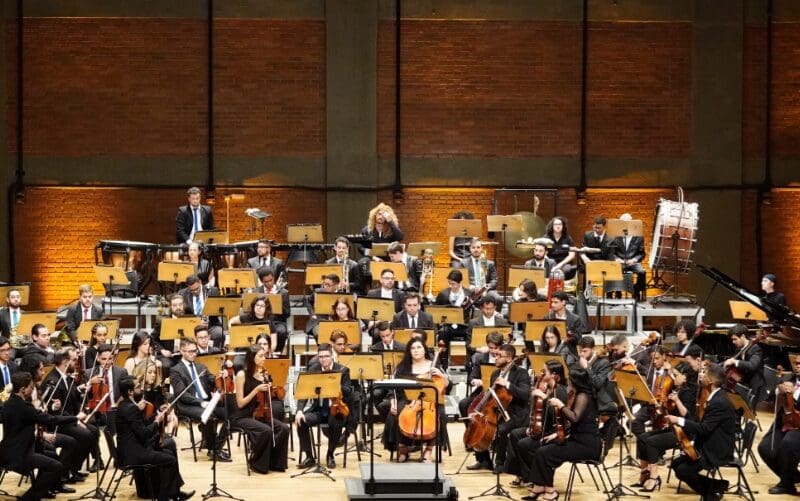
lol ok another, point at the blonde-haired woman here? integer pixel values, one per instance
(382, 225)
(151, 387)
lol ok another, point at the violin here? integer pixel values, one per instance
(263, 410)
(417, 420)
(703, 393)
(663, 387)
(99, 401)
(339, 408)
(684, 443)
(535, 423)
(790, 417)
(484, 412)
(561, 434)
(224, 382)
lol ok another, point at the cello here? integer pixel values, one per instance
(484, 412)
(417, 420)
(734, 375)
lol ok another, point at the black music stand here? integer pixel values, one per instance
(495, 223)
(605, 271)
(109, 275)
(318, 386)
(630, 385)
(369, 368)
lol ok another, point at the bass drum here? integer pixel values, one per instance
(674, 236)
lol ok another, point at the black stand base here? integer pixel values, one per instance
(496, 490)
(316, 468)
(97, 492)
(620, 490)
(216, 492)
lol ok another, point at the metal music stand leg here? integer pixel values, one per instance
(621, 489)
(317, 466)
(496, 490)
(97, 492)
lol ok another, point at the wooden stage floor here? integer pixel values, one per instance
(233, 478)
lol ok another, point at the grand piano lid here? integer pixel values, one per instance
(785, 318)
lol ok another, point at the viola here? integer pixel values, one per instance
(484, 413)
(417, 420)
(535, 423)
(684, 443)
(790, 417)
(224, 382)
(703, 393)
(99, 401)
(263, 410)
(663, 387)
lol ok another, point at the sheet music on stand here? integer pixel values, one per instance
(257, 214)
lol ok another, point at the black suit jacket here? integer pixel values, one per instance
(116, 374)
(276, 265)
(606, 251)
(752, 365)
(396, 295)
(715, 434)
(19, 420)
(5, 321)
(188, 303)
(395, 346)
(400, 320)
(575, 324)
(134, 437)
(635, 249)
(520, 389)
(491, 273)
(353, 274)
(443, 298)
(75, 317)
(347, 387)
(184, 222)
(180, 378)
(414, 270)
(65, 391)
(599, 371)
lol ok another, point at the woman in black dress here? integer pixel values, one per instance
(579, 417)
(558, 232)
(269, 438)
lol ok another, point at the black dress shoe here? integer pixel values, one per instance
(480, 465)
(64, 489)
(783, 489)
(221, 457)
(81, 474)
(308, 463)
(331, 463)
(498, 469)
(183, 496)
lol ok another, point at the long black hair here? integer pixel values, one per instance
(404, 367)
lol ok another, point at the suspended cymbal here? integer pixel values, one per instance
(532, 226)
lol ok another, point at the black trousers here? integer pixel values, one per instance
(650, 446)
(583, 446)
(334, 432)
(209, 429)
(264, 456)
(783, 458)
(521, 452)
(500, 444)
(49, 474)
(641, 417)
(688, 471)
(166, 478)
(86, 440)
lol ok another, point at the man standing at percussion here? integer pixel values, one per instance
(10, 315)
(192, 217)
(629, 252)
(84, 310)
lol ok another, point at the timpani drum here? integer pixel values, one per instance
(233, 255)
(131, 256)
(172, 252)
(674, 235)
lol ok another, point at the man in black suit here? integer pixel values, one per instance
(203, 338)
(310, 413)
(714, 439)
(353, 279)
(482, 271)
(18, 451)
(540, 259)
(599, 369)
(489, 317)
(515, 380)
(387, 341)
(83, 310)
(265, 259)
(575, 325)
(750, 363)
(65, 400)
(268, 286)
(411, 317)
(387, 290)
(194, 298)
(629, 252)
(398, 255)
(494, 340)
(10, 315)
(105, 369)
(7, 367)
(194, 401)
(192, 217)
(598, 239)
(40, 344)
(136, 445)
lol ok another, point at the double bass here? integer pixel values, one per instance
(484, 412)
(417, 420)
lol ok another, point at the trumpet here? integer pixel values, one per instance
(484, 264)
(280, 283)
(427, 272)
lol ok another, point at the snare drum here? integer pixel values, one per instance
(674, 235)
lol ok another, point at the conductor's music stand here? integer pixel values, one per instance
(602, 271)
(527, 310)
(175, 271)
(237, 279)
(243, 336)
(495, 223)
(211, 237)
(629, 385)
(110, 275)
(317, 386)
